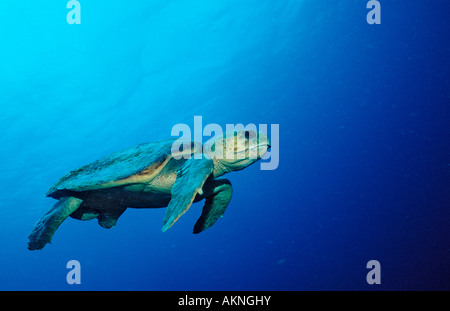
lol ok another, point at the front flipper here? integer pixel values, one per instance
(190, 180)
(215, 203)
(46, 226)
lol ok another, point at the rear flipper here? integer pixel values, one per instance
(218, 194)
(108, 219)
(46, 226)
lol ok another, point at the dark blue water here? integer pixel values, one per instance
(364, 161)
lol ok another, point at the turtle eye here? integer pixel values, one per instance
(249, 134)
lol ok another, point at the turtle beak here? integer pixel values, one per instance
(263, 143)
(264, 140)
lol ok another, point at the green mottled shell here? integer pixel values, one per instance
(137, 164)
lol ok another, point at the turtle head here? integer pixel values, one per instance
(236, 150)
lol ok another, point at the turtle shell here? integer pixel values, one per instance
(138, 164)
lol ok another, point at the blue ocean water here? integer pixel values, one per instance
(363, 113)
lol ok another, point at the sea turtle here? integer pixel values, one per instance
(152, 175)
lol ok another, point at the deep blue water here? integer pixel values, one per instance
(364, 161)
